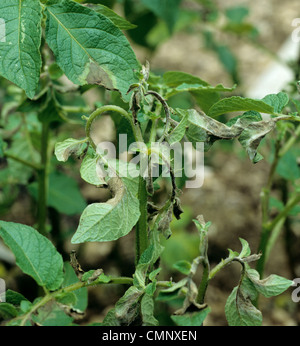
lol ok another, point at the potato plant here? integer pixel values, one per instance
(47, 43)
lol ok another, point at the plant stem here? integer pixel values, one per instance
(76, 286)
(267, 239)
(166, 110)
(43, 180)
(204, 282)
(112, 108)
(268, 227)
(32, 165)
(141, 234)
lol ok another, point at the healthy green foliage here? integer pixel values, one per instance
(20, 59)
(89, 48)
(31, 249)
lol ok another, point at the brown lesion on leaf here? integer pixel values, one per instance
(95, 74)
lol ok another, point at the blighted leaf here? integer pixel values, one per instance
(112, 219)
(252, 136)
(147, 310)
(88, 171)
(164, 222)
(81, 294)
(20, 59)
(89, 48)
(52, 315)
(35, 254)
(178, 132)
(126, 309)
(191, 319)
(240, 311)
(271, 286)
(247, 129)
(71, 146)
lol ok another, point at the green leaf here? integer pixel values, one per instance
(20, 59)
(178, 132)
(288, 167)
(246, 251)
(183, 266)
(192, 319)
(176, 78)
(237, 103)
(13, 297)
(89, 48)
(168, 10)
(7, 311)
(71, 146)
(147, 310)
(237, 13)
(240, 311)
(120, 22)
(64, 194)
(3, 146)
(35, 254)
(154, 273)
(110, 220)
(110, 319)
(88, 171)
(277, 101)
(52, 315)
(271, 286)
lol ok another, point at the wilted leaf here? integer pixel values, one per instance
(147, 310)
(240, 311)
(112, 219)
(71, 146)
(271, 286)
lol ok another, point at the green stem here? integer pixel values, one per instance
(267, 239)
(268, 227)
(76, 286)
(204, 282)
(141, 234)
(111, 108)
(32, 165)
(43, 180)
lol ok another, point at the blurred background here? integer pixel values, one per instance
(247, 43)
